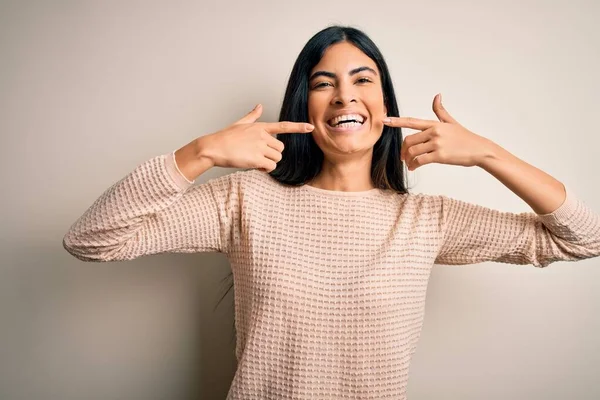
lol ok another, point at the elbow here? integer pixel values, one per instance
(542, 263)
(85, 253)
(75, 251)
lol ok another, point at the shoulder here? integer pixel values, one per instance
(423, 203)
(250, 180)
(255, 179)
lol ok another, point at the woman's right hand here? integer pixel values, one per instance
(249, 144)
(244, 144)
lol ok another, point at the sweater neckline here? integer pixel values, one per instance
(340, 192)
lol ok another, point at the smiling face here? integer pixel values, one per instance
(345, 85)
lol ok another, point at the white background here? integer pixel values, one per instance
(90, 89)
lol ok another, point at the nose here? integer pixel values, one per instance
(344, 94)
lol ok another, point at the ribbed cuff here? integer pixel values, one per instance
(175, 173)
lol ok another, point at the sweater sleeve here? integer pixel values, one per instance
(155, 209)
(473, 234)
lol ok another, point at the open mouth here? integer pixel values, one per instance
(349, 121)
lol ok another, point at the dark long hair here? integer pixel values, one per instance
(302, 159)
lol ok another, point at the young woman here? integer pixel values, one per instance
(330, 253)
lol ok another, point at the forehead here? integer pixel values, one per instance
(342, 57)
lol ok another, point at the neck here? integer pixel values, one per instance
(345, 176)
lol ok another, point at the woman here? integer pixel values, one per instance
(330, 253)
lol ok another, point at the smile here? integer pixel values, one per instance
(346, 125)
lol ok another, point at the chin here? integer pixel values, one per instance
(352, 145)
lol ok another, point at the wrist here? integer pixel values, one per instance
(202, 152)
(490, 152)
(191, 160)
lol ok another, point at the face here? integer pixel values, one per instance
(345, 85)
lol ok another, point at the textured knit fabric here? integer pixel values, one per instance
(329, 285)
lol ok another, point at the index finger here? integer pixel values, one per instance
(409, 122)
(288, 127)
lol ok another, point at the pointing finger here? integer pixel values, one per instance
(409, 122)
(288, 127)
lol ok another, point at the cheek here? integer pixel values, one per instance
(377, 111)
(377, 126)
(311, 105)
(312, 114)
(317, 105)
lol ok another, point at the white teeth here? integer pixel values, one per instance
(348, 124)
(346, 117)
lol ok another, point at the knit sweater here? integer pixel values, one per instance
(329, 286)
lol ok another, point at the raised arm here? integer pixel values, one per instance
(155, 209)
(561, 227)
(473, 234)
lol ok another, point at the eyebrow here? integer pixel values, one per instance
(332, 75)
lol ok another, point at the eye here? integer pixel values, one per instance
(322, 84)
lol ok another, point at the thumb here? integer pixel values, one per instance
(251, 117)
(441, 112)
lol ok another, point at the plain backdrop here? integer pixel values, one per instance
(91, 89)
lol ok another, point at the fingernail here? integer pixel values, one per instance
(309, 127)
(387, 120)
(257, 106)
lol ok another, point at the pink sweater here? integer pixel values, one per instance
(329, 286)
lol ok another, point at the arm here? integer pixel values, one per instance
(562, 227)
(155, 209)
(542, 192)
(472, 234)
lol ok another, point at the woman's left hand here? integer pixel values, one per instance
(444, 141)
